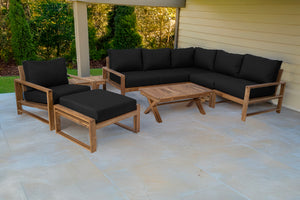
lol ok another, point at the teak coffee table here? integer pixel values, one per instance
(176, 93)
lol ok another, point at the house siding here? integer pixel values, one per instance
(269, 28)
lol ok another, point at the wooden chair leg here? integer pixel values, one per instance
(19, 97)
(280, 100)
(245, 103)
(57, 122)
(93, 137)
(136, 120)
(123, 86)
(50, 110)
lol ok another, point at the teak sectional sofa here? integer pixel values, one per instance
(244, 79)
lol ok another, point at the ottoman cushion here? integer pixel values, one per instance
(99, 104)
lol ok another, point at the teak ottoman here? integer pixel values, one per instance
(96, 109)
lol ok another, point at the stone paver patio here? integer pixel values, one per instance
(188, 156)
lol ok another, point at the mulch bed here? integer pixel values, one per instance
(11, 68)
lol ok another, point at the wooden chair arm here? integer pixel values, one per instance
(106, 69)
(32, 85)
(265, 85)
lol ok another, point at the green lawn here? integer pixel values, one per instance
(7, 82)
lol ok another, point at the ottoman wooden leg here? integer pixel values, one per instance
(136, 120)
(93, 137)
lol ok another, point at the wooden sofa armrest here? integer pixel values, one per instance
(32, 85)
(265, 85)
(107, 70)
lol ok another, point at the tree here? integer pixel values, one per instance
(5, 34)
(125, 33)
(21, 37)
(157, 26)
(54, 27)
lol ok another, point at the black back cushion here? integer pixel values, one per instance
(156, 58)
(46, 73)
(204, 58)
(228, 63)
(258, 69)
(183, 57)
(124, 60)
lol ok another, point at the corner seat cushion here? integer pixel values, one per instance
(182, 57)
(204, 78)
(99, 104)
(204, 58)
(236, 87)
(152, 77)
(228, 63)
(258, 69)
(156, 58)
(58, 91)
(124, 60)
(46, 73)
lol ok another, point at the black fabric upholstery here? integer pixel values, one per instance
(124, 60)
(99, 104)
(258, 69)
(204, 58)
(58, 91)
(236, 87)
(204, 78)
(183, 57)
(46, 73)
(172, 76)
(156, 58)
(228, 63)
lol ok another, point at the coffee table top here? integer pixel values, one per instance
(174, 92)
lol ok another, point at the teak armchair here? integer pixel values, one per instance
(41, 85)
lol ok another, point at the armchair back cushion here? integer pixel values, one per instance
(124, 60)
(156, 58)
(228, 63)
(258, 69)
(182, 57)
(46, 73)
(204, 58)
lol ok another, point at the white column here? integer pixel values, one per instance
(81, 38)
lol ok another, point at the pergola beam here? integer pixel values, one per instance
(156, 3)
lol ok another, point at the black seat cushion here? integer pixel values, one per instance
(236, 87)
(183, 57)
(156, 58)
(138, 78)
(228, 63)
(204, 58)
(46, 73)
(203, 77)
(99, 104)
(258, 69)
(124, 60)
(58, 91)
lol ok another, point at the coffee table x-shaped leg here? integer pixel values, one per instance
(154, 103)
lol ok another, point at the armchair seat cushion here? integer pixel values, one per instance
(99, 104)
(58, 91)
(236, 87)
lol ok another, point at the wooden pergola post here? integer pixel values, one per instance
(81, 38)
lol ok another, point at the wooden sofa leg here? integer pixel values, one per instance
(280, 100)
(18, 92)
(50, 110)
(245, 103)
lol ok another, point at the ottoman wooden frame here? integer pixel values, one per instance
(91, 124)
